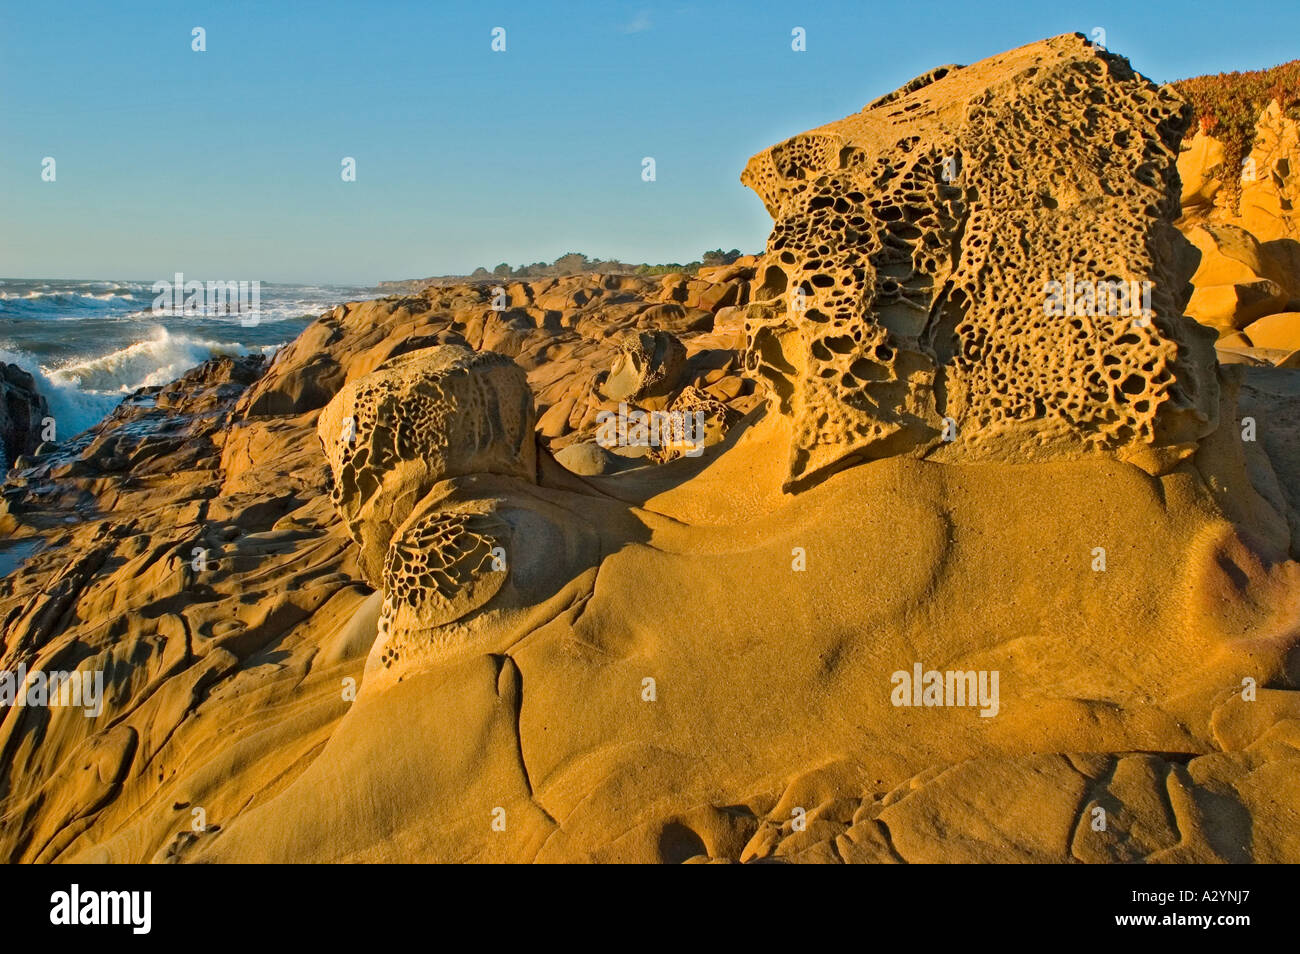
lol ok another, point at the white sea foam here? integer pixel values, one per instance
(83, 392)
(137, 346)
(73, 410)
(154, 361)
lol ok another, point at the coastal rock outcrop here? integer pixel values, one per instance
(22, 408)
(1240, 185)
(985, 259)
(939, 585)
(1262, 195)
(649, 363)
(416, 420)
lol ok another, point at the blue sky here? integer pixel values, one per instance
(226, 164)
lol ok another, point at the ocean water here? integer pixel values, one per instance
(91, 343)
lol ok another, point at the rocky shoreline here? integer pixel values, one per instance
(288, 570)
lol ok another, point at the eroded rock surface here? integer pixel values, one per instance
(904, 279)
(418, 419)
(1243, 221)
(468, 632)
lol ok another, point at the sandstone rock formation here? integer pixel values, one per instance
(649, 363)
(1266, 188)
(469, 632)
(904, 282)
(1243, 221)
(416, 420)
(1236, 280)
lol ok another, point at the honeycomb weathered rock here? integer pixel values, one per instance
(902, 305)
(418, 419)
(648, 363)
(443, 562)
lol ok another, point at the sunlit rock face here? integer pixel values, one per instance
(984, 263)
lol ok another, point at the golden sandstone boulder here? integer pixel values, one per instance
(932, 281)
(1280, 332)
(648, 364)
(1230, 255)
(416, 420)
(1237, 280)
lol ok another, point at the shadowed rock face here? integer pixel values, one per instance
(904, 279)
(21, 410)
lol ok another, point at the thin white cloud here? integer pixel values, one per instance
(639, 24)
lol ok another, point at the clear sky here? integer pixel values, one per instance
(226, 164)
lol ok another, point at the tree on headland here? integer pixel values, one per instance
(574, 263)
(571, 263)
(719, 257)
